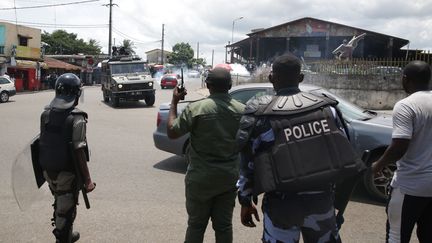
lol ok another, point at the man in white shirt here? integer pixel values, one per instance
(410, 199)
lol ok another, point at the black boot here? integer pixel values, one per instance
(75, 236)
(66, 237)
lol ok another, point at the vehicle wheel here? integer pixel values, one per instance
(115, 101)
(162, 87)
(4, 97)
(150, 100)
(378, 186)
(105, 96)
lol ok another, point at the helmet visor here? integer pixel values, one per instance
(63, 102)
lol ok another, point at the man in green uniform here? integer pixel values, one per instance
(213, 169)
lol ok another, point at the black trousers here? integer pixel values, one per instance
(405, 211)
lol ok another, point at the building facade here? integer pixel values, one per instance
(313, 39)
(155, 56)
(20, 55)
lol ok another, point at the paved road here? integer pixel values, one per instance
(140, 194)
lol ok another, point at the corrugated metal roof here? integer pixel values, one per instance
(54, 63)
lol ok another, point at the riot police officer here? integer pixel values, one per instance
(293, 145)
(62, 143)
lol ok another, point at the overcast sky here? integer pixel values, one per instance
(210, 22)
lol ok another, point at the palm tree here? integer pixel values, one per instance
(128, 46)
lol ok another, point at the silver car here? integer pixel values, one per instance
(368, 130)
(193, 74)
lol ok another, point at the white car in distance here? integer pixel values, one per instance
(7, 89)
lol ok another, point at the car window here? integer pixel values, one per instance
(349, 110)
(244, 95)
(4, 81)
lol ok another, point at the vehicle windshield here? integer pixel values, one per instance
(128, 68)
(348, 109)
(244, 95)
(170, 78)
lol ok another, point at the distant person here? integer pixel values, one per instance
(123, 51)
(9, 76)
(203, 78)
(293, 148)
(212, 172)
(63, 132)
(52, 80)
(6, 75)
(115, 51)
(410, 200)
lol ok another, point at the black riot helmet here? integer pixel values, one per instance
(219, 77)
(67, 91)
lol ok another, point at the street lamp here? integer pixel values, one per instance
(232, 32)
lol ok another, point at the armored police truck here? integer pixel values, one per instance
(126, 78)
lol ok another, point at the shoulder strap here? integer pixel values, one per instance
(69, 122)
(69, 126)
(77, 111)
(44, 120)
(297, 103)
(257, 105)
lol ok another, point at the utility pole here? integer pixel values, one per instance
(232, 32)
(226, 51)
(163, 36)
(110, 5)
(197, 51)
(110, 29)
(212, 57)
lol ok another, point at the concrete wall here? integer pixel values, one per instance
(368, 91)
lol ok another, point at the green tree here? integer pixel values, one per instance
(182, 53)
(128, 46)
(62, 42)
(199, 61)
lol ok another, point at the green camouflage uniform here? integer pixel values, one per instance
(213, 169)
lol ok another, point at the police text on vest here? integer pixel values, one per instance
(307, 129)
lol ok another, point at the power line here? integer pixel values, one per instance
(50, 5)
(32, 1)
(68, 27)
(60, 25)
(133, 39)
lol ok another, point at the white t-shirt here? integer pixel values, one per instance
(412, 119)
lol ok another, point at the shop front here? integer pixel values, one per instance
(26, 75)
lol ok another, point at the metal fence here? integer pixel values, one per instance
(360, 66)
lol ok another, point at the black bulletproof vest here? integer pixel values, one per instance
(55, 136)
(309, 149)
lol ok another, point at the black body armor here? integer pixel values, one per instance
(55, 136)
(309, 150)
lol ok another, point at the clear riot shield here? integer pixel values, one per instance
(27, 179)
(82, 96)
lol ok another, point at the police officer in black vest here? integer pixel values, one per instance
(293, 146)
(63, 132)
